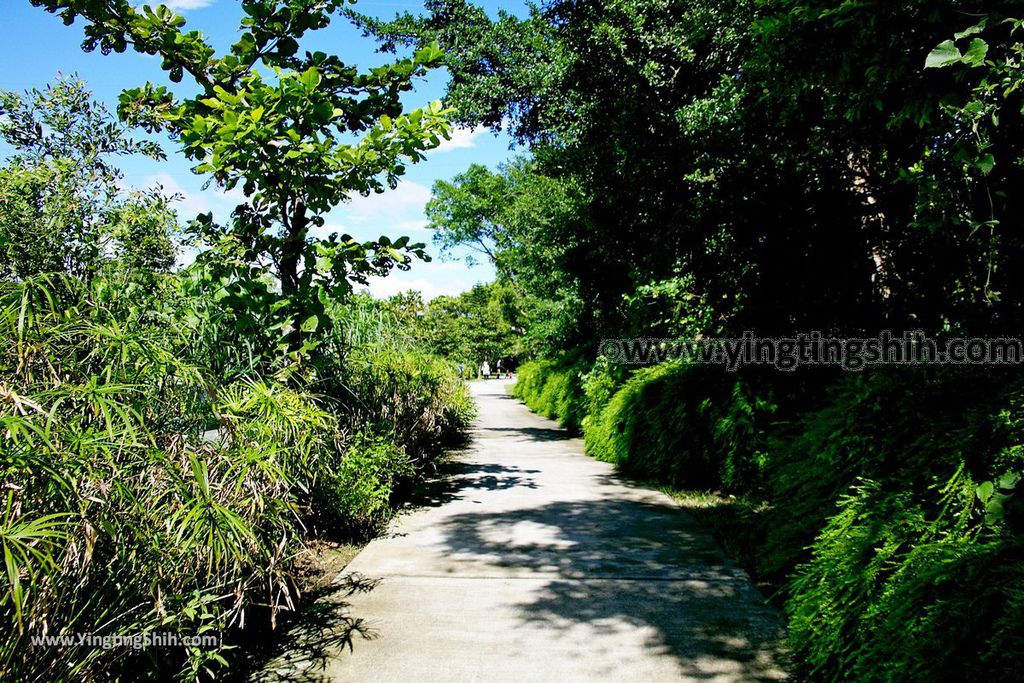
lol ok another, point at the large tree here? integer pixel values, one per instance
(793, 161)
(299, 132)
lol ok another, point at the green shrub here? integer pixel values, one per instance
(414, 398)
(599, 385)
(554, 389)
(358, 494)
(529, 377)
(127, 521)
(904, 572)
(685, 426)
(121, 519)
(910, 586)
(900, 427)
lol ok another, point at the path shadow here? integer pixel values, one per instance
(323, 628)
(530, 433)
(505, 397)
(623, 567)
(456, 479)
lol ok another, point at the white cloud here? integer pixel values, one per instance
(418, 225)
(393, 213)
(432, 279)
(181, 5)
(192, 203)
(235, 195)
(400, 212)
(403, 205)
(429, 285)
(328, 228)
(189, 205)
(383, 287)
(414, 229)
(462, 138)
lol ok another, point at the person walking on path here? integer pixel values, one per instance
(485, 370)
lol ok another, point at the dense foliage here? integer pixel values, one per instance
(780, 157)
(164, 460)
(701, 169)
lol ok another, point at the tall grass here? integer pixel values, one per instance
(120, 518)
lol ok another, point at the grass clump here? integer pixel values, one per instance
(554, 389)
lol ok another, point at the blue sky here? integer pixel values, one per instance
(35, 47)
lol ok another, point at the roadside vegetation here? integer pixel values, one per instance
(173, 438)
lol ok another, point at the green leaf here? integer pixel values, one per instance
(1009, 480)
(973, 30)
(323, 112)
(287, 46)
(985, 163)
(996, 508)
(976, 51)
(310, 324)
(944, 54)
(310, 78)
(984, 491)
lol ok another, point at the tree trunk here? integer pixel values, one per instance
(291, 249)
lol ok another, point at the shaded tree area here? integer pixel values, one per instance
(797, 162)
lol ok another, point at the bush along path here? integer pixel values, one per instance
(527, 560)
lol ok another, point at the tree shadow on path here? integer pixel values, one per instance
(529, 433)
(323, 627)
(621, 567)
(457, 479)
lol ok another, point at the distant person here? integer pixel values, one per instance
(498, 368)
(485, 370)
(508, 372)
(462, 369)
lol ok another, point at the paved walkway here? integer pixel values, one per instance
(532, 562)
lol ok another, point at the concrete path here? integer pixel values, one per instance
(532, 562)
